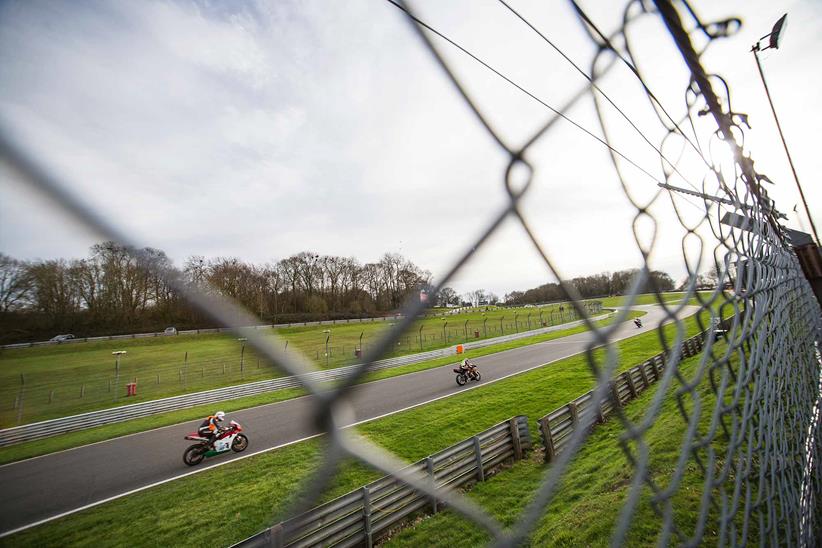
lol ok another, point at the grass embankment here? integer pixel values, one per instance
(47, 382)
(253, 491)
(101, 433)
(586, 507)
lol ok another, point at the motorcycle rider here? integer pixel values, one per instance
(469, 367)
(210, 427)
(637, 322)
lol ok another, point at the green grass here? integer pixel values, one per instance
(251, 493)
(585, 508)
(59, 380)
(101, 433)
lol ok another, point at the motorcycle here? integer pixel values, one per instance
(464, 375)
(637, 322)
(228, 439)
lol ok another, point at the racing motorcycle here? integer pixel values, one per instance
(464, 375)
(228, 439)
(637, 322)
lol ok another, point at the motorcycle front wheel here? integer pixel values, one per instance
(194, 455)
(461, 379)
(239, 444)
(477, 376)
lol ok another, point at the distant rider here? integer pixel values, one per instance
(210, 427)
(637, 322)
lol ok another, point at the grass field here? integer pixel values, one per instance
(41, 383)
(91, 435)
(253, 492)
(585, 508)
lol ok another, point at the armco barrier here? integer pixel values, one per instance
(557, 426)
(39, 430)
(363, 515)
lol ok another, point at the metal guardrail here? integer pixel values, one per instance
(557, 426)
(44, 429)
(198, 331)
(360, 517)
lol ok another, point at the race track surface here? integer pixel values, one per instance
(41, 488)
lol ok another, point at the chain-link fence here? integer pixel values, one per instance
(759, 455)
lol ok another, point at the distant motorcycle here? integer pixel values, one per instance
(637, 322)
(228, 439)
(464, 375)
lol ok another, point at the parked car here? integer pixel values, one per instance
(61, 338)
(170, 331)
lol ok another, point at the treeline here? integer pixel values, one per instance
(599, 285)
(111, 291)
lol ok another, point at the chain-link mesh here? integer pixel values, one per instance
(759, 454)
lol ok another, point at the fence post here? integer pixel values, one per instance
(600, 414)
(547, 440)
(366, 515)
(615, 394)
(429, 464)
(572, 409)
(513, 425)
(644, 376)
(627, 376)
(277, 535)
(478, 457)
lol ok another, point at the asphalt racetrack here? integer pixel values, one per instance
(42, 488)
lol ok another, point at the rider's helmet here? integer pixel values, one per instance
(465, 363)
(220, 415)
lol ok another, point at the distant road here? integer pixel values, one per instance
(46, 487)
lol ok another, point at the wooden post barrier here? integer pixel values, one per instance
(429, 464)
(572, 409)
(615, 394)
(644, 376)
(366, 515)
(547, 440)
(513, 425)
(631, 387)
(478, 456)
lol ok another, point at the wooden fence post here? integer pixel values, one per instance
(547, 440)
(644, 376)
(630, 381)
(572, 409)
(276, 536)
(366, 515)
(429, 464)
(513, 424)
(615, 394)
(478, 456)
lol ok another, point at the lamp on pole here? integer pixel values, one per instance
(774, 39)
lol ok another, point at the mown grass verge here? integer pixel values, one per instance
(102, 433)
(252, 493)
(586, 507)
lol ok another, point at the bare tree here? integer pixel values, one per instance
(15, 283)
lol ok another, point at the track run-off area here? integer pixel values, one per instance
(44, 488)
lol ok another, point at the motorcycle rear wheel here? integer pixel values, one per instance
(194, 455)
(239, 444)
(461, 379)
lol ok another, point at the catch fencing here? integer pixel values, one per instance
(684, 193)
(360, 517)
(63, 425)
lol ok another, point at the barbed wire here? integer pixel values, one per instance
(757, 448)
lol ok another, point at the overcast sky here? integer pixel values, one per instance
(262, 129)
